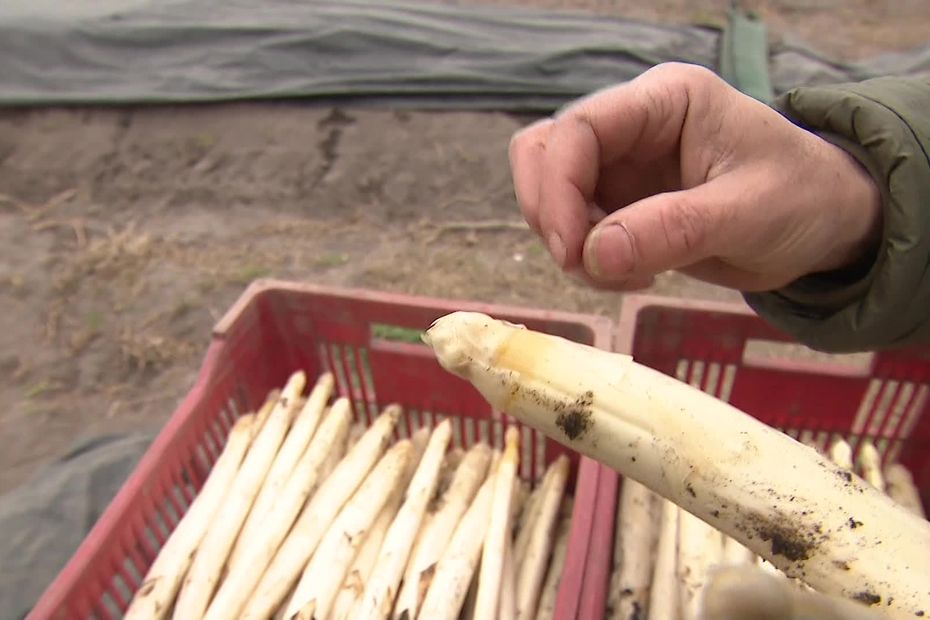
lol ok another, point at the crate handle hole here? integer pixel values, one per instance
(396, 334)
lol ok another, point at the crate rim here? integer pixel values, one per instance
(602, 327)
(634, 303)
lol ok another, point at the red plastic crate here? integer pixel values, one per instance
(714, 345)
(272, 330)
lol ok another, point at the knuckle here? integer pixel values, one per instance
(682, 78)
(684, 225)
(518, 142)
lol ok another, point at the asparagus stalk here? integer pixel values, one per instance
(664, 599)
(345, 606)
(736, 554)
(317, 589)
(265, 410)
(901, 488)
(294, 446)
(450, 465)
(780, 498)
(381, 589)
(434, 538)
(871, 464)
(294, 553)
(336, 453)
(533, 569)
(700, 548)
(492, 557)
(258, 550)
(528, 517)
(156, 594)
(453, 573)
(550, 589)
(637, 537)
(841, 454)
(204, 575)
(507, 606)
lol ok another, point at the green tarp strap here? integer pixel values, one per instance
(744, 56)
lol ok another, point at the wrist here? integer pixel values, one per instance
(858, 214)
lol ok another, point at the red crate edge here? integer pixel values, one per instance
(597, 579)
(588, 481)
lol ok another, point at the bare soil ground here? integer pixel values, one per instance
(125, 233)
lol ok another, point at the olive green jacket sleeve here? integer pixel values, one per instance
(885, 302)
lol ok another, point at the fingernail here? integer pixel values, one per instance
(608, 252)
(556, 248)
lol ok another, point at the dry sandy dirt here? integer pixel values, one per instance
(125, 233)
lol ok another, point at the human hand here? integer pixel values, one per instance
(692, 175)
(747, 593)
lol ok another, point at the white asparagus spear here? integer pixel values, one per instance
(700, 548)
(468, 606)
(778, 497)
(507, 609)
(507, 606)
(205, 571)
(354, 584)
(329, 565)
(521, 496)
(294, 446)
(533, 569)
(335, 455)
(471, 471)
(871, 464)
(736, 553)
(528, 517)
(664, 598)
(349, 598)
(901, 488)
(355, 433)
(336, 489)
(420, 439)
(769, 568)
(279, 614)
(265, 410)
(258, 550)
(453, 573)
(450, 464)
(382, 587)
(550, 589)
(156, 594)
(492, 555)
(471, 596)
(841, 454)
(637, 537)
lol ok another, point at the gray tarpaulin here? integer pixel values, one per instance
(377, 53)
(43, 521)
(209, 50)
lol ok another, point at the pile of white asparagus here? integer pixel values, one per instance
(664, 557)
(306, 515)
(727, 471)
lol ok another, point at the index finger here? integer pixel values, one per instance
(641, 120)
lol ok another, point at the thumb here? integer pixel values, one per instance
(659, 233)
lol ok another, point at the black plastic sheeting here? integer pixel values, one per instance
(401, 53)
